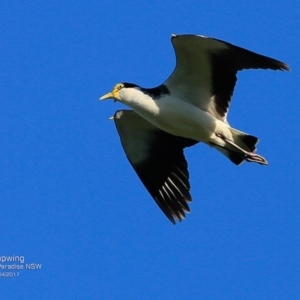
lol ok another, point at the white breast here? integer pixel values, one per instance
(173, 115)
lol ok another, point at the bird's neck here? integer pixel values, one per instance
(139, 101)
(133, 96)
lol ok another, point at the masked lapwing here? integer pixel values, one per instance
(191, 106)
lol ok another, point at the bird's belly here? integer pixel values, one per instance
(194, 124)
(180, 118)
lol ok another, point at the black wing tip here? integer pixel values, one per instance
(275, 64)
(174, 218)
(176, 209)
(177, 215)
(283, 66)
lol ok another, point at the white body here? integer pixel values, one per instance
(177, 117)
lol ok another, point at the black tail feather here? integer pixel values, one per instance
(250, 141)
(236, 158)
(241, 147)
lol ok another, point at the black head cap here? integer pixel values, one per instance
(129, 85)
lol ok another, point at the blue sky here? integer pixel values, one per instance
(71, 201)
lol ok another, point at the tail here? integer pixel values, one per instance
(241, 148)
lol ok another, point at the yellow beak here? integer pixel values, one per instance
(107, 96)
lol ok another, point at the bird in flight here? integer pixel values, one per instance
(191, 106)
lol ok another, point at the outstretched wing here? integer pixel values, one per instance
(205, 72)
(158, 159)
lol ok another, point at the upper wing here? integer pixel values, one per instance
(158, 160)
(205, 72)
